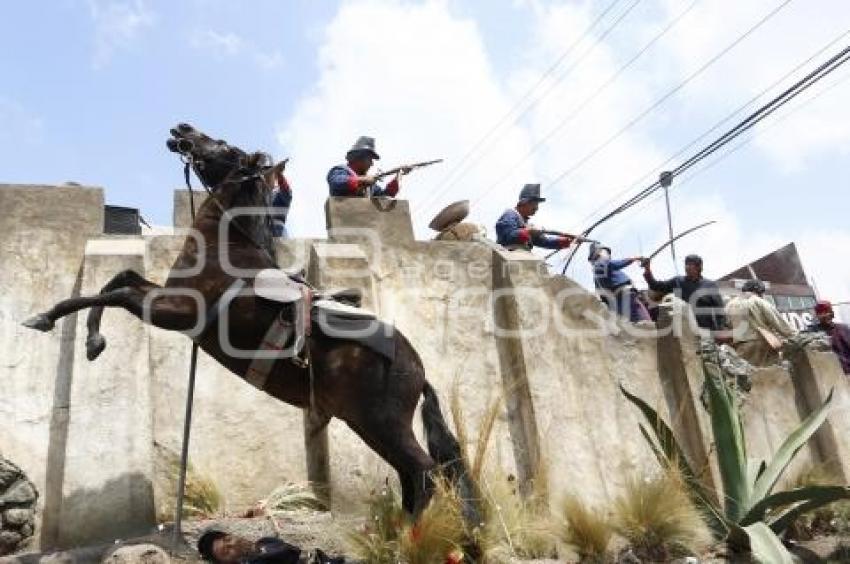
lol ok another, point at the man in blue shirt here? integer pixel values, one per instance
(514, 232)
(615, 287)
(353, 179)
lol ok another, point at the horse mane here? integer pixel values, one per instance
(254, 192)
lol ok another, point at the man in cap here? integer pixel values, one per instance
(614, 285)
(839, 333)
(700, 293)
(514, 232)
(353, 179)
(757, 327)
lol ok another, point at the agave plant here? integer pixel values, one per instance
(753, 515)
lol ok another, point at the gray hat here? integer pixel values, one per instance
(364, 145)
(530, 193)
(595, 248)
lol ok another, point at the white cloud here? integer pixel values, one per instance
(430, 90)
(117, 24)
(229, 44)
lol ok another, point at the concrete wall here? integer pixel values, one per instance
(487, 324)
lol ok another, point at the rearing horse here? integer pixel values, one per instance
(376, 397)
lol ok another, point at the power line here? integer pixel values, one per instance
(748, 123)
(508, 116)
(581, 162)
(717, 125)
(592, 98)
(714, 127)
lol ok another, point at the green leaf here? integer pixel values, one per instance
(789, 448)
(817, 495)
(729, 442)
(765, 546)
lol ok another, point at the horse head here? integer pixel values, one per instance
(214, 160)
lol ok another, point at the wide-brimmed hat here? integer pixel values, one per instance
(450, 216)
(364, 145)
(530, 193)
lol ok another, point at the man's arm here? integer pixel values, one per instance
(549, 241)
(771, 318)
(389, 191)
(343, 182)
(663, 286)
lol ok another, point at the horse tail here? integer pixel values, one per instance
(444, 448)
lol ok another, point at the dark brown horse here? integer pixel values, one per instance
(374, 396)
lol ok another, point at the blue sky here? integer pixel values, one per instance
(88, 90)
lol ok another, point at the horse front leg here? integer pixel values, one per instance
(174, 310)
(95, 342)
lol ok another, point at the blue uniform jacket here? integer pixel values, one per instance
(608, 273)
(343, 182)
(511, 230)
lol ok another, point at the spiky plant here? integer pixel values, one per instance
(201, 498)
(439, 532)
(378, 541)
(587, 531)
(752, 515)
(656, 518)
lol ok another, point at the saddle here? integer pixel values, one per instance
(334, 313)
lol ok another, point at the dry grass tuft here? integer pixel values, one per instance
(389, 537)
(515, 527)
(291, 497)
(657, 519)
(587, 531)
(202, 498)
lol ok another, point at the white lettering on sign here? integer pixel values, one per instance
(798, 320)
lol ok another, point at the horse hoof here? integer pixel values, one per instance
(39, 322)
(94, 346)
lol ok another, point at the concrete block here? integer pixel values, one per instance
(44, 231)
(815, 374)
(182, 211)
(375, 223)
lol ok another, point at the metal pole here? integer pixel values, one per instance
(184, 453)
(187, 419)
(666, 179)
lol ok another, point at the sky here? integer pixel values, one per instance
(588, 98)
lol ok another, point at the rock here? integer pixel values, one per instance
(8, 473)
(17, 517)
(21, 492)
(27, 530)
(9, 541)
(138, 554)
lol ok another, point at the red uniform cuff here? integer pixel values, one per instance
(523, 236)
(392, 187)
(564, 242)
(353, 184)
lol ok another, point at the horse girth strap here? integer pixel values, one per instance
(274, 347)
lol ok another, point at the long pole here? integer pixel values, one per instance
(187, 419)
(184, 451)
(666, 179)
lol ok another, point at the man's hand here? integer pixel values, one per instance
(366, 180)
(404, 170)
(644, 264)
(638, 260)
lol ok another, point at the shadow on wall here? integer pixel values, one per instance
(91, 515)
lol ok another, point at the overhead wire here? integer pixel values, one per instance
(507, 118)
(594, 96)
(634, 121)
(745, 125)
(679, 152)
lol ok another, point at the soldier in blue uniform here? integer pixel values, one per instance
(513, 230)
(353, 179)
(614, 285)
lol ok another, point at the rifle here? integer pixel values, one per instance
(575, 238)
(409, 167)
